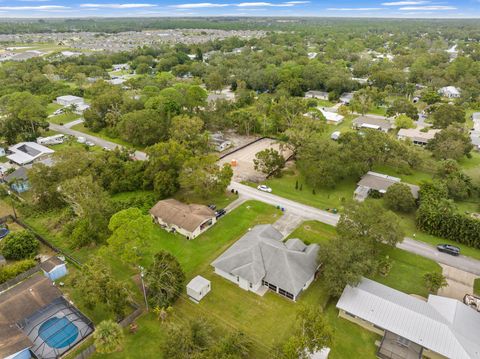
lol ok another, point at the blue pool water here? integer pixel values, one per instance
(58, 332)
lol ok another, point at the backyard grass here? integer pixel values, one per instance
(52, 107)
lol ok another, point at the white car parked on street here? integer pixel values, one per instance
(264, 188)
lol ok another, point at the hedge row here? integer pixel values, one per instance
(11, 271)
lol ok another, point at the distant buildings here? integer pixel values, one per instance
(321, 95)
(331, 117)
(346, 98)
(475, 133)
(449, 92)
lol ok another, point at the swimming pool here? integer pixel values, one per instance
(58, 332)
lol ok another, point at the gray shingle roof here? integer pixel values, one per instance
(261, 254)
(442, 325)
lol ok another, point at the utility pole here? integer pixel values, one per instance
(143, 286)
(13, 203)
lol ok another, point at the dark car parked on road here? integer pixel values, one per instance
(449, 249)
(220, 213)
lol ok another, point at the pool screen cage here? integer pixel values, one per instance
(59, 308)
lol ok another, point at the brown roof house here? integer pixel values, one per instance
(190, 220)
(373, 181)
(35, 318)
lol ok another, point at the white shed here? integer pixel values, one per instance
(198, 288)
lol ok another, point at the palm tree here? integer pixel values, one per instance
(108, 337)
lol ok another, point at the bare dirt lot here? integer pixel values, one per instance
(244, 169)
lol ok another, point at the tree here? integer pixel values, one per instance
(234, 345)
(453, 142)
(434, 281)
(345, 261)
(164, 280)
(269, 161)
(23, 115)
(188, 340)
(403, 121)
(19, 245)
(362, 101)
(188, 131)
(458, 184)
(447, 114)
(368, 221)
(98, 286)
(399, 198)
(129, 237)
(108, 337)
(431, 97)
(202, 176)
(403, 106)
(143, 127)
(165, 161)
(311, 334)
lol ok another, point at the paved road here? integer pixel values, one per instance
(142, 156)
(73, 123)
(466, 264)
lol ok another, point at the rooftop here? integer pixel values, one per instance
(381, 182)
(443, 325)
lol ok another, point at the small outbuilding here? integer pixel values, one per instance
(198, 288)
(54, 268)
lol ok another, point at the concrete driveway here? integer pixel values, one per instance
(459, 282)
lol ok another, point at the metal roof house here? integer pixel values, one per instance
(378, 182)
(449, 91)
(373, 123)
(190, 220)
(411, 327)
(321, 95)
(27, 152)
(416, 135)
(69, 100)
(261, 260)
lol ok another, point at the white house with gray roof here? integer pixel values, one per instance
(439, 327)
(261, 260)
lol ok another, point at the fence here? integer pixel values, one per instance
(241, 147)
(11, 282)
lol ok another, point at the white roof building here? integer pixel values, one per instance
(321, 95)
(27, 152)
(449, 91)
(198, 288)
(331, 117)
(69, 100)
(440, 325)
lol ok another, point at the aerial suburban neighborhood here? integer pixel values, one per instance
(265, 180)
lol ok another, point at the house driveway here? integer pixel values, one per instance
(459, 282)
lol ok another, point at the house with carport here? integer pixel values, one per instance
(262, 261)
(412, 327)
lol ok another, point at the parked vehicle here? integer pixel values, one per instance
(220, 213)
(3, 232)
(473, 301)
(449, 249)
(212, 207)
(264, 188)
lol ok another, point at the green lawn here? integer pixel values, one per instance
(323, 198)
(64, 118)
(52, 107)
(476, 286)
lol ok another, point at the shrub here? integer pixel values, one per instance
(108, 337)
(11, 271)
(399, 198)
(20, 245)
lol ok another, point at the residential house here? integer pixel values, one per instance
(373, 181)
(198, 288)
(18, 180)
(37, 321)
(120, 67)
(190, 220)
(261, 260)
(417, 135)
(321, 95)
(449, 92)
(28, 152)
(372, 122)
(69, 100)
(411, 327)
(54, 268)
(332, 118)
(346, 98)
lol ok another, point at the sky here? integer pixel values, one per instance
(184, 8)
